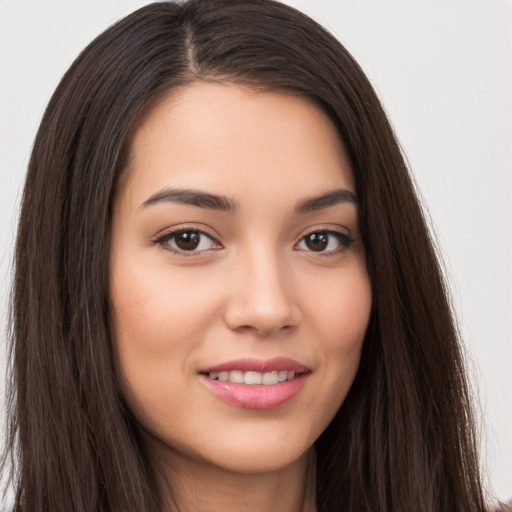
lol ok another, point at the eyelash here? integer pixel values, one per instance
(344, 240)
(163, 240)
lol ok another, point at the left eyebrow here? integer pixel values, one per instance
(334, 197)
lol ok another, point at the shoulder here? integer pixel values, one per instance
(505, 507)
(22, 503)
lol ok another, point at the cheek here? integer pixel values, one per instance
(341, 306)
(156, 327)
(340, 313)
(157, 322)
(155, 313)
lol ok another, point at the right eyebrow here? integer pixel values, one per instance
(194, 198)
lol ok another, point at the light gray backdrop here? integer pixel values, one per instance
(444, 72)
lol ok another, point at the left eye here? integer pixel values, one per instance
(188, 240)
(324, 241)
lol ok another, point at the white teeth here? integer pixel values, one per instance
(252, 378)
(239, 377)
(236, 376)
(270, 378)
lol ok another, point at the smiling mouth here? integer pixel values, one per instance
(252, 377)
(256, 383)
(250, 389)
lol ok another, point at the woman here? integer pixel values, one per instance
(225, 290)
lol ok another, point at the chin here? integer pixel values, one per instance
(244, 452)
(258, 459)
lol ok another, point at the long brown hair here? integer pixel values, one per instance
(404, 438)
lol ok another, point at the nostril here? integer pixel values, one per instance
(263, 331)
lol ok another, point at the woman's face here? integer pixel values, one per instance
(238, 281)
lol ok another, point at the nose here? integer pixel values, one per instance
(262, 299)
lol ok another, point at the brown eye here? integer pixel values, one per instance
(187, 241)
(327, 242)
(317, 241)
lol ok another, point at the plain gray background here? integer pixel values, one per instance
(444, 72)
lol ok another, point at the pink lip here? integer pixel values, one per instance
(257, 396)
(258, 365)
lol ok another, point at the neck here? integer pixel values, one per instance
(194, 486)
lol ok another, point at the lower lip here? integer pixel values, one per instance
(256, 396)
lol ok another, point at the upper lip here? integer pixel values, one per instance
(258, 365)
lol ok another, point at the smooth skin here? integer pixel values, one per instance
(261, 270)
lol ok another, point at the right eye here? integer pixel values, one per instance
(187, 241)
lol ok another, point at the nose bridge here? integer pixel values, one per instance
(262, 297)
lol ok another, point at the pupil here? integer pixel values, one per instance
(188, 240)
(317, 241)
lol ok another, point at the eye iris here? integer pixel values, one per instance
(187, 240)
(317, 241)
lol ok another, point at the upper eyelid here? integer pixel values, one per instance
(333, 228)
(340, 233)
(205, 230)
(345, 241)
(163, 241)
(168, 232)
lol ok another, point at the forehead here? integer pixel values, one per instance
(230, 138)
